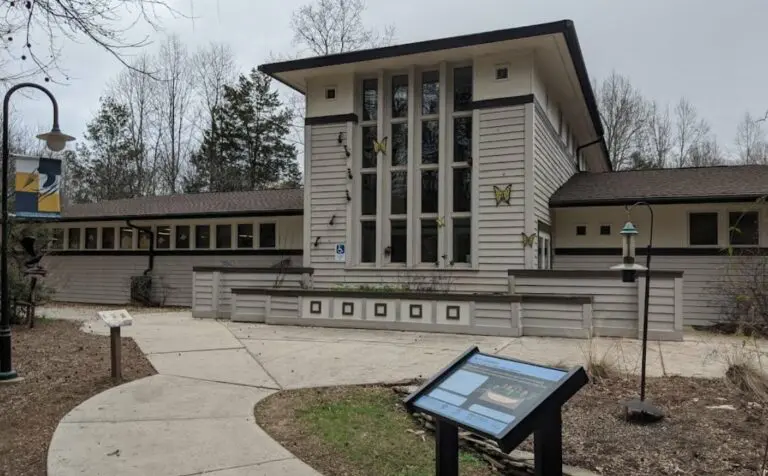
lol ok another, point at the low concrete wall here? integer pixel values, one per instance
(212, 288)
(617, 307)
(480, 314)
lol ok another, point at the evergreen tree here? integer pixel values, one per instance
(104, 168)
(247, 146)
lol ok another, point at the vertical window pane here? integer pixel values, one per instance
(462, 88)
(462, 240)
(428, 241)
(462, 189)
(73, 234)
(399, 193)
(430, 93)
(430, 132)
(57, 239)
(182, 237)
(108, 238)
(369, 155)
(91, 237)
(370, 99)
(462, 139)
(144, 239)
(368, 242)
(126, 238)
(245, 235)
(368, 185)
(429, 189)
(202, 236)
(163, 237)
(400, 144)
(267, 235)
(540, 254)
(400, 96)
(743, 228)
(399, 241)
(223, 236)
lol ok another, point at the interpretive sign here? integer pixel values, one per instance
(117, 318)
(502, 399)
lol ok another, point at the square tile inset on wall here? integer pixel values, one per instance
(416, 312)
(315, 308)
(380, 310)
(345, 308)
(453, 313)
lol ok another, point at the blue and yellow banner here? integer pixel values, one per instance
(38, 187)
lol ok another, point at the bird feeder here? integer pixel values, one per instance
(628, 267)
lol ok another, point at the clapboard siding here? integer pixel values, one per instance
(106, 279)
(229, 281)
(701, 278)
(327, 196)
(614, 303)
(500, 162)
(553, 164)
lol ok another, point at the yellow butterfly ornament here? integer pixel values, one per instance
(380, 146)
(503, 195)
(528, 239)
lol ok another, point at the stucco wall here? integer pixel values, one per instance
(344, 103)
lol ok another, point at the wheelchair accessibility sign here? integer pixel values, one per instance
(341, 252)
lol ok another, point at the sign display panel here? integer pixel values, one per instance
(489, 393)
(38, 187)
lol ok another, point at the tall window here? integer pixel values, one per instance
(267, 235)
(145, 238)
(429, 166)
(398, 171)
(57, 239)
(73, 239)
(126, 238)
(368, 179)
(163, 237)
(245, 235)
(91, 238)
(202, 236)
(108, 238)
(182, 237)
(224, 236)
(461, 167)
(702, 229)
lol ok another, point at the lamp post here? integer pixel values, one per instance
(639, 409)
(56, 141)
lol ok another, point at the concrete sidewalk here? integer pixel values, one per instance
(196, 415)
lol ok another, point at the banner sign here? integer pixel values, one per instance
(38, 187)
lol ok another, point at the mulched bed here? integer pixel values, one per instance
(61, 367)
(691, 440)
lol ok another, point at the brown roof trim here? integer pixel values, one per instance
(584, 273)
(653, 201)
(181, 252)
(186, 216)
(564, 27)
(261, 270)
(509, 101)
(334, 119)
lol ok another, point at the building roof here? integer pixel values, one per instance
(199, 205)
(565, 28)
(686, 185)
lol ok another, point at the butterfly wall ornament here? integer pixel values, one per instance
(440, 222)
(502, 195)
(528, 239)
(380, 146)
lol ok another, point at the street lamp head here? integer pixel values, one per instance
(55, 140)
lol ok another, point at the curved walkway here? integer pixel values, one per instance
(196, 416)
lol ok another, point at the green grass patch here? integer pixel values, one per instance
(364, 430)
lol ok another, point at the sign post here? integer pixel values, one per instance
(115, 320)
(502, 399)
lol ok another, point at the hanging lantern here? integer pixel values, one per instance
(628, 266)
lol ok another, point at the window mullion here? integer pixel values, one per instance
(442, 158)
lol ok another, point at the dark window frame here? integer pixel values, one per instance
(95, 233)
(273, 244)
(605, 230)
(210, 242)
(225, 228)
(243, 235)
(79, 238)
(133, 239)
(177, 235)
(158, 243)
(737, 221)
(581, 230)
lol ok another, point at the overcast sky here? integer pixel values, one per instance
(711, 52)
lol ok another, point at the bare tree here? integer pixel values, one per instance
(213, 67)
(705, 153)
(690, 131)
(173, 107)
(336, 26)
(659, 135)
(103, 22)
(624, 113)
(137, 92)
(751, 141)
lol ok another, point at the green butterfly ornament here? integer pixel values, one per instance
(503, 195)
(380, 146)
